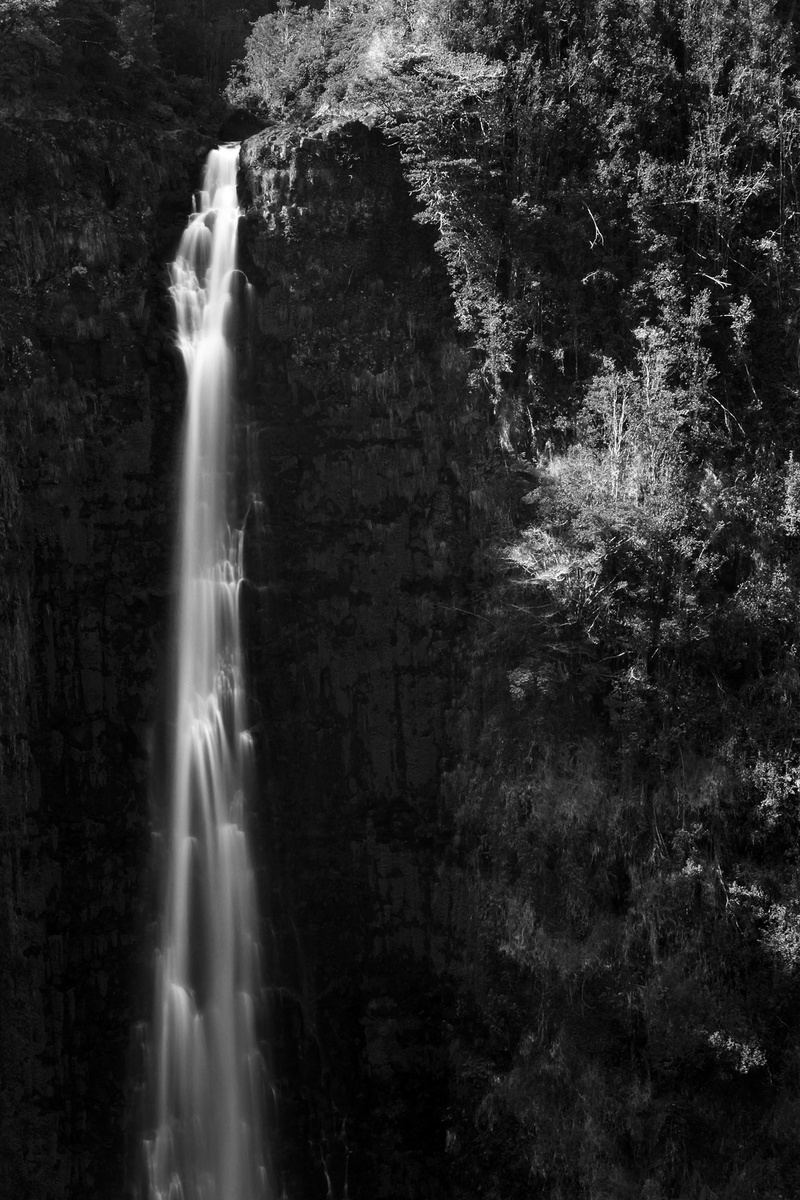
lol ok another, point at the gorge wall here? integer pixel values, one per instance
(91, 400)
(356, 443)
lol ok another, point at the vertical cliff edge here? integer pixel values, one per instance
(360, 439)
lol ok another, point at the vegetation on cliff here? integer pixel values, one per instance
(123, 58)
(615, 188)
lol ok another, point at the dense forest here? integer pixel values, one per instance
(614, 185)
(614, 190)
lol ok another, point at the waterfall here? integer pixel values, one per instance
(206, 1140)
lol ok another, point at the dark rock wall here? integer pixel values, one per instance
(360, 436)
(357, 487)
(91, 395)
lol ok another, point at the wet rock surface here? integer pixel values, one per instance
(358, 433)
(91, 401)
(356, 436)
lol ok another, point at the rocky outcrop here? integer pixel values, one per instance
(361, 438)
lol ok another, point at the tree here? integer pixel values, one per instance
(28, 32)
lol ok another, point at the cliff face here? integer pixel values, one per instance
(355, 443)
(91, 398)
(359, 435)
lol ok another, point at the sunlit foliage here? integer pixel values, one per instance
(614, 188)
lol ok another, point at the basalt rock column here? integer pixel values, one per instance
(205, 1066)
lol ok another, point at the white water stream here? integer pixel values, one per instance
(206, 1070)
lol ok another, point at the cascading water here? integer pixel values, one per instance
(205, 1067)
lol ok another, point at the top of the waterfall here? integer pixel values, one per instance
(219, 178)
